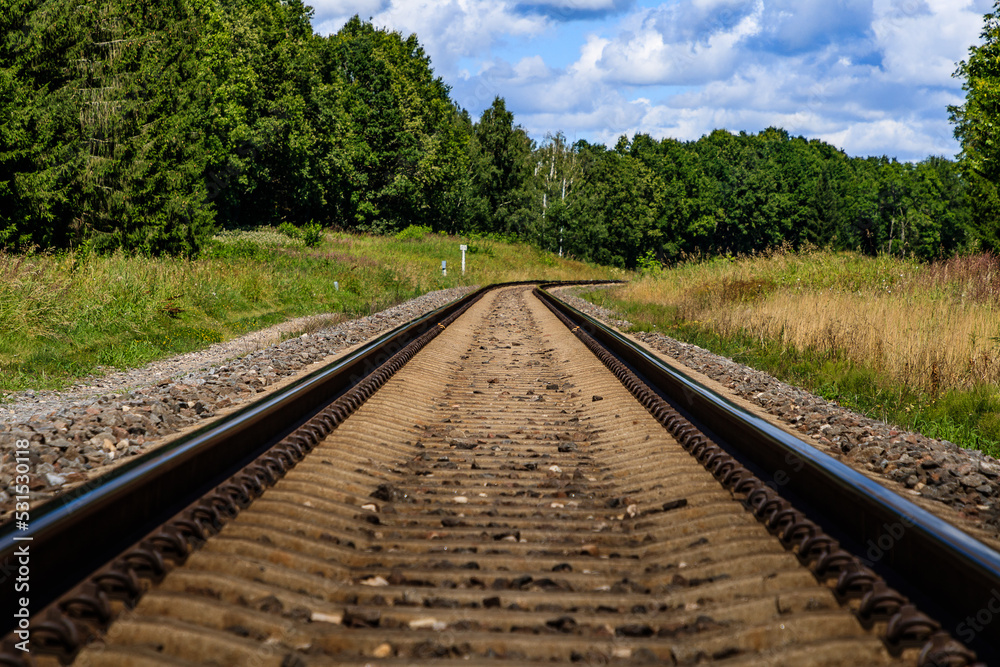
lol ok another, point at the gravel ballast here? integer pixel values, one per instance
(78, 433)
(81, 432)
(937, 470)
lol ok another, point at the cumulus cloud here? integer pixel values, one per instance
(892, 137)
(796, 26)
(921, 43)
(871, 76)
(449, 31)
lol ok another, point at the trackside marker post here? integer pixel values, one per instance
(463, 248)
(444, 267)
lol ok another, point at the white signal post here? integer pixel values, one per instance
(444, 267)
(463, 248)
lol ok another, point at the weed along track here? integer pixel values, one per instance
(501, 497)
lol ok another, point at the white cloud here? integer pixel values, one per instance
(890, 137)
(448, 31)
(533, 67)
(871, 76)
(922, 47)
(647, 52)
(531, 87)
(590, 56)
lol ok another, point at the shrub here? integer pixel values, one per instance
(290, 230)
(238, 248)
(414, 233)
(649, 263)
(312, 234)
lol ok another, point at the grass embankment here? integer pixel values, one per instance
(65, 316)
(913, 344)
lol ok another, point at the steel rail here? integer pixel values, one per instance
(116, 509)
(85, 610)
(74, 534)
(947, 571)
(910, 541)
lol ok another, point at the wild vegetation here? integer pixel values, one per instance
(908, 342)
(176, 173)
(148, 127)
(64, 315)
(878, 329)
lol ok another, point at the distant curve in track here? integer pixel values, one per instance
(503, 498)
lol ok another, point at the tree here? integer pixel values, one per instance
(503, 169)
(13, 135)
(984, 211)
(113, 156)
(556, 171)
(406, 139)
(617, 209)
(941, 209)
(261, 59)
(693, 218)
(977, 127)
(39, 124)
(976, 121)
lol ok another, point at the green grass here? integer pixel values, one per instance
(969, 417)
(64, 316)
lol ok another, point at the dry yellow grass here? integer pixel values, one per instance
(929, 327)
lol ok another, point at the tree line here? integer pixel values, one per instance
(149, 125)
(744, 193)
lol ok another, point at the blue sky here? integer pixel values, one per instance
(873, 77)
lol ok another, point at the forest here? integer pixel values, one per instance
(148, 126)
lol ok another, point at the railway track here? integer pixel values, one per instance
(503, 496)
